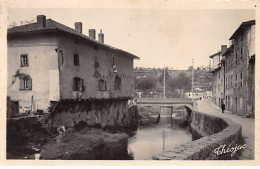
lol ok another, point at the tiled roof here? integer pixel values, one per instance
(218, 53)
(243, 24)
(216, 69)
(231, 47)
(52, 26)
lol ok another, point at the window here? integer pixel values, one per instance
(78, 84)
(236, 82)
(241, 103)
(231, 79)
(226, 83)
(96, 62)
(241, 56)
(241, 79)
(25, 83)
(76, 59)
(24, 61)
(118, 83)
(102, 86)
(113, 61)
(236, 58)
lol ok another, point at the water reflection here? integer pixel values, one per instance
(150, 140)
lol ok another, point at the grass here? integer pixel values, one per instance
(79, 142)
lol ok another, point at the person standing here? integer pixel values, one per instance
(223, 107)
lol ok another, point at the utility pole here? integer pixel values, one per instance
(164, 81)
(192, 79)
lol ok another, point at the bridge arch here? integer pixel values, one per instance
(188, 109)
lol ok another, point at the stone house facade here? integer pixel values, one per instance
(236, 71)
(218, 76)
(238, 61)
(49, 62)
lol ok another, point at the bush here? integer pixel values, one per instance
(80, 125)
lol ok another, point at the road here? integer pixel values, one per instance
(248, 125)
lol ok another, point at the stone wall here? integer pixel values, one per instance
(215, 132)
(102, 113)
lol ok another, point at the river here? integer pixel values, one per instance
(153, 139)
(144, 141)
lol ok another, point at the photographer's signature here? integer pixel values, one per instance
(223, 150)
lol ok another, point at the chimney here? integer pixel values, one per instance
(78, 27)
(41, 19)
(92, 33)
(223, 49)
(101, 37)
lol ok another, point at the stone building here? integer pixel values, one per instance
(59, 66)
(218, 76)
(239, 65)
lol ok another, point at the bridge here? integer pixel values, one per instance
(167, 106)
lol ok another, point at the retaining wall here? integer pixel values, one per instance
(104, 113)
(214, 132)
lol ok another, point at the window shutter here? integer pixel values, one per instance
(30, 84)
(82, 85)
(21, 59)
(21, 84)
(74, 84)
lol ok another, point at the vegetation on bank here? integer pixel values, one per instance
(74, 142)
(30, 135)
(26, 135)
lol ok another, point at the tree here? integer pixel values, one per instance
(162, 74)
(182, 81)
(145, 83)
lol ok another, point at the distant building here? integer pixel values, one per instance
(197, 94)
(139, 74)
(57, 63)
(239, 65)
(207, 94)
(218, 76)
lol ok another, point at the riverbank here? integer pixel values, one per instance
(214, 133)
(28, 136)
(73, 143)
(248, 125)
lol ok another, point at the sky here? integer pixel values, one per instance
(170, 37)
